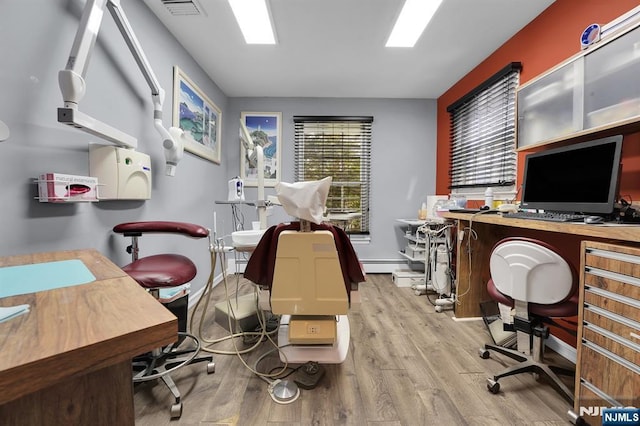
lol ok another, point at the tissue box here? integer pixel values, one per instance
(61, 188)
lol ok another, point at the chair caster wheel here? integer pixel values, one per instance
(536, 376)
(493, 386)
(483, 353)
(575, 419)
(176, 410)
(211, 367)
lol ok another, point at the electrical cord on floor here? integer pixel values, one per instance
(281, 369)
(216, 251)
(290, 372)
(272, 323)
(206, 299)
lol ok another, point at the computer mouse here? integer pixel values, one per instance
(593, 219)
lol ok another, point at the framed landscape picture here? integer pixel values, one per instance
(266, 130)
(197, 116)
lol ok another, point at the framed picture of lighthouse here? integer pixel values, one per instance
(265, 129)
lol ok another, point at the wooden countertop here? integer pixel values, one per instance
(622, 232)
(74, 330)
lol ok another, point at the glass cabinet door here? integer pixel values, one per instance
(612, 81)
(551, 107)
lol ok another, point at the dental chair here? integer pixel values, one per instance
(311, 297)
(158, 272)
(530, 276)
(310, 270)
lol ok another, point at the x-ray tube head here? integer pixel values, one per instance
(73, 86)
(173, 148)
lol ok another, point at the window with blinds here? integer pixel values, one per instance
(339, 147)
(483, 133)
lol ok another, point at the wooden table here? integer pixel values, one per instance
(472, 260)
(68, 361)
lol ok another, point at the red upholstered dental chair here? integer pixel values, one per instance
(154, 273)
(530, 276)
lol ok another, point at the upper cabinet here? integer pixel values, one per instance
(595, 91)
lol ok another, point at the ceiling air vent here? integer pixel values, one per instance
(183, 7)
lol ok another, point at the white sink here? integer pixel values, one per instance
(249, 238)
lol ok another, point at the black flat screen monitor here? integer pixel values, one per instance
(579, 178)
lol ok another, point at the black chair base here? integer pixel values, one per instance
(160, 363)
(528, 365)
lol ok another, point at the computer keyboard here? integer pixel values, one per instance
(548, 216)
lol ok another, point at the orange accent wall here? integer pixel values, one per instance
(545, 42)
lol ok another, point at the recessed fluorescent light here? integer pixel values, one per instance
(254, 20)
(413, 19)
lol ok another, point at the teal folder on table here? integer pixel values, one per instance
(23, 279)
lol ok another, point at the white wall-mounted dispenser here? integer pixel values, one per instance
(123, 174)
(236, 189)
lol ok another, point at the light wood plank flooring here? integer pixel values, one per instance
(407, 365)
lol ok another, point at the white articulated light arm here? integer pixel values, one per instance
(255, 156)
(72, 84)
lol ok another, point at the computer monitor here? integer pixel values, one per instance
(579, 178)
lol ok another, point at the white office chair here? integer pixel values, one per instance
(532, 277)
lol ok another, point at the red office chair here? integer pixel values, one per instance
(154, 273)
(532, 277)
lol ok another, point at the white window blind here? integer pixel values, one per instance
(483, 133)
(339, 147)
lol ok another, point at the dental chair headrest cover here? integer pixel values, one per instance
(304, 200)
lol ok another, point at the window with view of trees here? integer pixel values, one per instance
(483, 134)
(339, 147)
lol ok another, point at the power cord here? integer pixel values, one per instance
(216, 251)
(281, 390)
(472, 236)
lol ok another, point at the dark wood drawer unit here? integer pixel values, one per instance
(608, 363)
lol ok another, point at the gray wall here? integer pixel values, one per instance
(402, 162)
(35, 41)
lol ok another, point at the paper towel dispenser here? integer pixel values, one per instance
(123, 174)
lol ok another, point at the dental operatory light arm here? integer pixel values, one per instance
(255, 156)
(73, 86)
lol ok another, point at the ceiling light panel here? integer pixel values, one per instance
(413, 19)
(254, 19)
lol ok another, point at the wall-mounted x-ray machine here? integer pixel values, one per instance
(124, 174)
(72, 85)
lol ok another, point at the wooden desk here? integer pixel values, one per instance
(68, 361)
(472, 272)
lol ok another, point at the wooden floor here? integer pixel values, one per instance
(407, 365)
